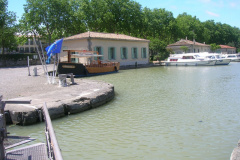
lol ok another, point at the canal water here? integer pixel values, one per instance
(159, 113)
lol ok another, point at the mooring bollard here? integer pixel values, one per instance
(35, 71)
(62, 80)
(72, 78)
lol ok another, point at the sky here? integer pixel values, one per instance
(224, 11)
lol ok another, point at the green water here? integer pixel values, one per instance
(160, 113)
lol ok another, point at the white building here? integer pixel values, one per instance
(226, 49)
(193, 46)
(114, 47)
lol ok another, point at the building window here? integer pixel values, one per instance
(134, 53)
(32, 50)
(124, 53)
(74, 60)
(100, 52)
(26, 50)
(144, 53)
(111, 53)
(21, 50)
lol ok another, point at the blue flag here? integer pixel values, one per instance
(53, 49)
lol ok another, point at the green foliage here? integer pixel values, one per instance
(214, 47)
(55, 19)
(7, 27)
(161, 56)
(184, 48)
(21, 40)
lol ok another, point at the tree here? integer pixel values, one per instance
(184, 48)
(51, 18)
(7, 28)
(214, 47)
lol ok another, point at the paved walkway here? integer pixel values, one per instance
(17, 85)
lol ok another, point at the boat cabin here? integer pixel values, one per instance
(82, 63)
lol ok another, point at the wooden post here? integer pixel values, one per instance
(28, 66)
(69, 56)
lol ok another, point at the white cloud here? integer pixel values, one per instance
(232, 4)
(212, 14)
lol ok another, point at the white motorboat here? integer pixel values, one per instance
(233, 57)
(189, 59)
(215, 56)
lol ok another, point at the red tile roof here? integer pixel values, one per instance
(226, 47)
(185, 42)
(109, 36)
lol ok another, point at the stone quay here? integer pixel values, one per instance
(18, 85)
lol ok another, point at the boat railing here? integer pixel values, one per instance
(101, 64)
(53, 149)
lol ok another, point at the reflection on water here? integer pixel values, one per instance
(158, 113)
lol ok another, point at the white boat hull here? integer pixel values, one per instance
(235, 60)
(223, 61)
(191, 63)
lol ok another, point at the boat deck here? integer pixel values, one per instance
(33, 152)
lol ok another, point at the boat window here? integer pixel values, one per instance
(144, 53)
(124, 54)
(173, 60)
(187, 57)
(111, 53)
(74, 60)
(134, 53)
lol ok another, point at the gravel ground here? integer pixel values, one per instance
(15, 82)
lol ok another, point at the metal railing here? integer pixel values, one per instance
(54, 152)
(3, 128)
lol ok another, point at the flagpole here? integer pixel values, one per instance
(57, 63)
(52, 50)
(53, 77)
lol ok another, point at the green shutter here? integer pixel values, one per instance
(137, 53)
(142, 52)
(95, 49)
(109, 56)
(115, 55)
(126, 53)
(132, 53)
(102, 58)
(121, 50)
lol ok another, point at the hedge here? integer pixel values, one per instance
(15, 57)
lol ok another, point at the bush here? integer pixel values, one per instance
(15, 57)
